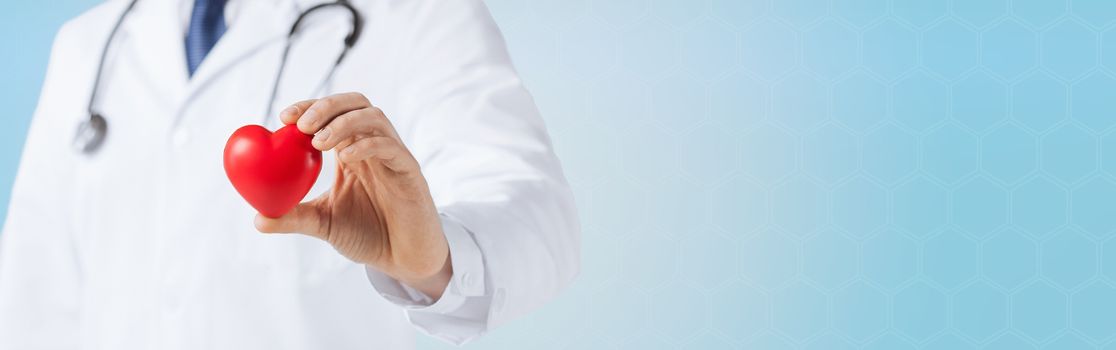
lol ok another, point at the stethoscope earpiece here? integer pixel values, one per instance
(91, 134)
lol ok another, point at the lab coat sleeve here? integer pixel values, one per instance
(506, 208)
(40, 280)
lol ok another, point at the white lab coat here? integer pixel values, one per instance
(145, 245)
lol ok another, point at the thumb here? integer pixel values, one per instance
(305, 218)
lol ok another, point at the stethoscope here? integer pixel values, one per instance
(91, 132)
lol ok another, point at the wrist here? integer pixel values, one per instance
(432, 285)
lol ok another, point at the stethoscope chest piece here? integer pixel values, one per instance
(91, 134)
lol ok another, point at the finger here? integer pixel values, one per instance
(290, 114)
(325, 109)
(389, 151)
(362, 122)
(305, 218)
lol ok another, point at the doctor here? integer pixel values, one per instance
(441, 205)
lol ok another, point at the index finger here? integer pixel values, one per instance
(323, 110)
(290, 114)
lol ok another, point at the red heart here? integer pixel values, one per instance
(273, 172)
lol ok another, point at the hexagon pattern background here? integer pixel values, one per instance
(814, 174)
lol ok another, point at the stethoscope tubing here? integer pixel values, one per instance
(92, 132)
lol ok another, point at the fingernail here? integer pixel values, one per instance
(307, 117)
(322, 135)
(349, 150)
(288, 111)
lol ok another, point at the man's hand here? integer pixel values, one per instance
(379, 211)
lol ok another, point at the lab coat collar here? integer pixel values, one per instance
(258, 24)
(156, 27)
(162, 58)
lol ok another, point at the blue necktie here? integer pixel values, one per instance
(207, 24)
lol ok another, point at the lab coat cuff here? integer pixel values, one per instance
(467, 279)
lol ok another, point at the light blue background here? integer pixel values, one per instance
(878, 174)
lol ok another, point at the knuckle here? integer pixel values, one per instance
(340, 124)
(376, 124)
(377, 113)
(325, 104)
(359, 97)
(365, 148)
(388, 142)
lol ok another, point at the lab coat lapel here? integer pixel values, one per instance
(259, 23)
(161, 58)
